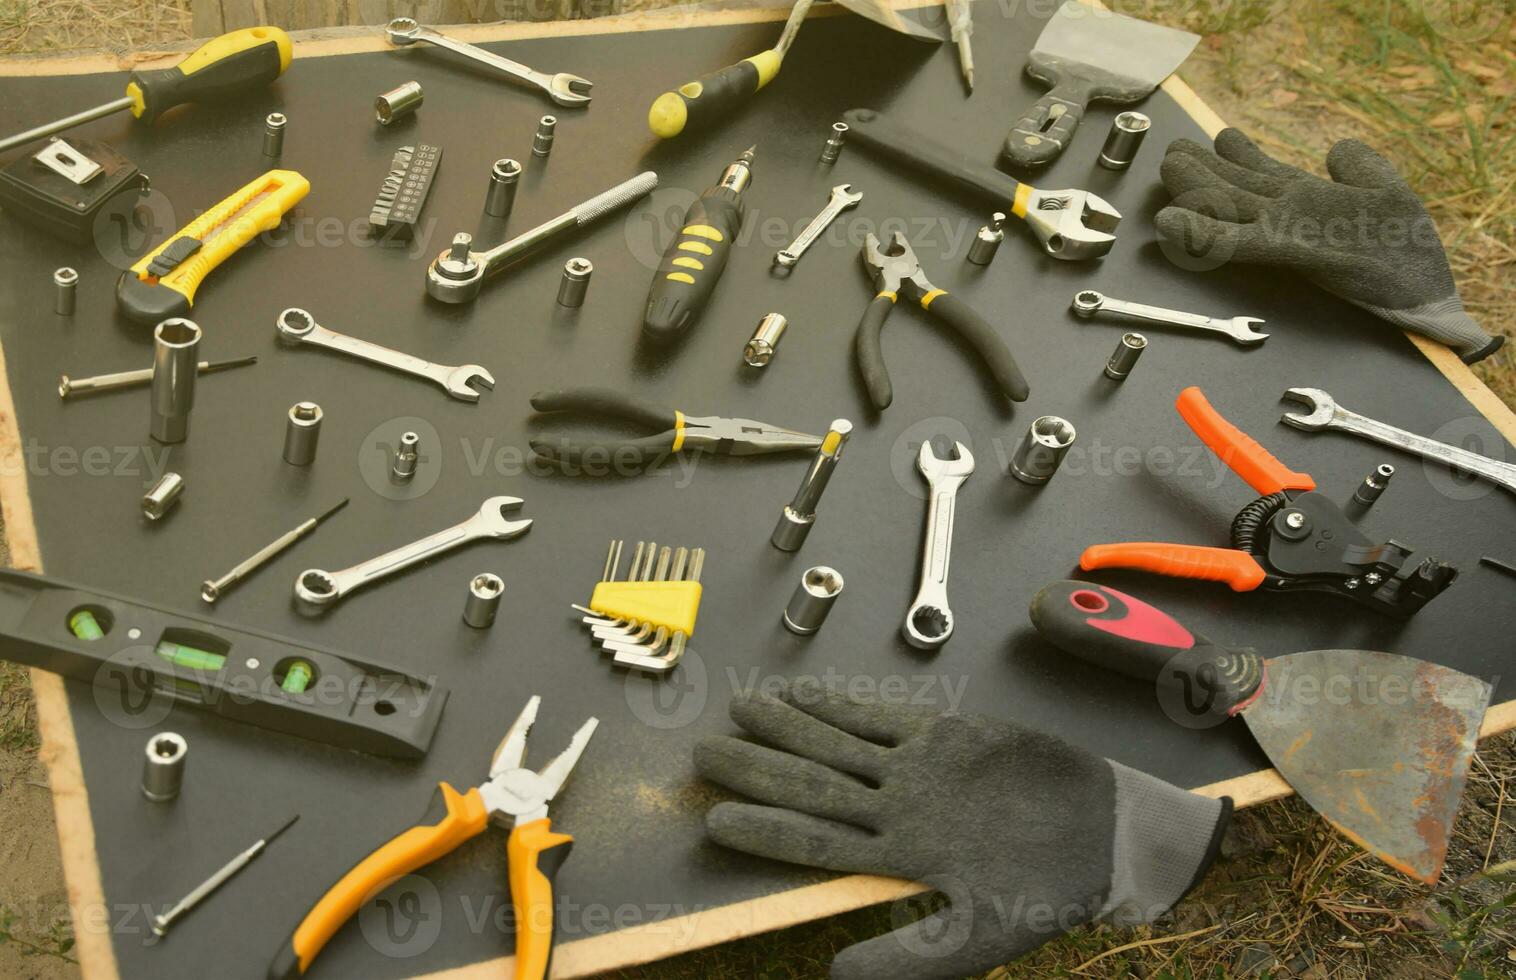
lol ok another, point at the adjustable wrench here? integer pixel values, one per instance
(843, 197)
(316, 590)
(1327, 414)
(1088, 302)
(929, 621)
(296, 326)
(563, 88)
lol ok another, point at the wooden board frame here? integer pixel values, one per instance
(625, 947)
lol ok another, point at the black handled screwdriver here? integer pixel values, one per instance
(697, 256)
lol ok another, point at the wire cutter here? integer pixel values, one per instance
(896, 269)
(1292, 538)
(513, 796)
(711, 433)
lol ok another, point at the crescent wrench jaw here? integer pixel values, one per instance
(1323, 409)
(1073, 225)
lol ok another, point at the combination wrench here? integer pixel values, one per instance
(317, 590)
(929, 621)
(296, 326)
(563, 88)
(1327, 414)
(843, 197)
(1088, 302)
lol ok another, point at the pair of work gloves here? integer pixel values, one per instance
(1024, 835)
(1363, 235)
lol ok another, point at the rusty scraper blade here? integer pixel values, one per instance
(1377, 743)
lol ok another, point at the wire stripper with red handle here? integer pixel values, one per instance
(1290, 539)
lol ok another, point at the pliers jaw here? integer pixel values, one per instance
(894, 265)
(515, 794)
(1072, 224)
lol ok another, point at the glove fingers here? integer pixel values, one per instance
(781, 779)
(1192, 183)
(1211, 242)
(787, 727)
(1235, 146)
(1356, 163)
(884, 724)
(1253, 181)
(799, 838)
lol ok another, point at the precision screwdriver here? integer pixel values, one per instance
(697, 256)
(221, 68)
(161, 923)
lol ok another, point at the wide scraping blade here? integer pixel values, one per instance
(1140, 53)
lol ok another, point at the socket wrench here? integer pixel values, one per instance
(1327, 414)
(843, 197)
(296, 326)
(929, 621)
(1088, 302)
(563, 88)
(317, 590)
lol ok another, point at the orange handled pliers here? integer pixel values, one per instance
(513, 796)
(1291, 538)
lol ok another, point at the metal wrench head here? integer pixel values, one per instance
(843, 197)
(295, 325)
(464, 382)
(1323, 409)
(569, 89)
(1072, 224)
(403, 31)
(1241, 329)
(937, 470)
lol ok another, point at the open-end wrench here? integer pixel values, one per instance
(296, 326)
(1327, 414)
(563, 88)
(1088, 302)
(317, 590)
(929, 622)
(843, 197)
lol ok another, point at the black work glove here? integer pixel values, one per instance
(1363, 235)
(1025, 835)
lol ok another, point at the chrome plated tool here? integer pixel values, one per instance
(462, 381)
(563, 88)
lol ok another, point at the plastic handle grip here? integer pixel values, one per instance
(1038, 137)
(708, 100)
(219, 70)
(536, 853)
(1238, 450)
(983, 338)
(1236, 568)
(876, 378)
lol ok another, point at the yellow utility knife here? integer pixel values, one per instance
(163, 282)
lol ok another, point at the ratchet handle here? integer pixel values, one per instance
(711, 98)
(451, 818)
(949, 166)
(982, 337)
(1237, 569)
(692, 265)
(536, 852)
(1120, 633)
(876, 377)
(1238, 450)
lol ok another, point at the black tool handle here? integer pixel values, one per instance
(692, 265)
(221, 69)
(982, 337)
(1038, 137)
(604, 456)
(1118, 632)
(706, 101)
(606, 403)
(876, 378)
(954, 167)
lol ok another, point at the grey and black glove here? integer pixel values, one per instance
(1363, 235)
(1025, 836)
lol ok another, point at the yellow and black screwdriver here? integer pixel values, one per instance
(697, 256)
(221, 68)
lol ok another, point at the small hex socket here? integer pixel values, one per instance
(66, 280)
(273, 135)
(398, 103)
(175, 366)
(542, 142)
(483, 601)
(834, 140)
(1124, 357)
(1128, 130)
(161, 499)
(504, 176)
(765, 340)
(575, 282)
(407, 456)
(987, 242)
(163, 766)
(818, 589)
(799, 515)
(1042, 450)
(301, 433)
(1373, 485)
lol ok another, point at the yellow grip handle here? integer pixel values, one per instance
(536, 853)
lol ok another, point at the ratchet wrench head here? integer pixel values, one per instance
(1072, 224)
(455, 275)
(1322, 408)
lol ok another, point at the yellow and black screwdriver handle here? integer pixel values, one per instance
(163, 282)
(712, 97)
(221, 68)
(535, 852)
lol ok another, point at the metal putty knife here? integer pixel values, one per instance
(1379, 744)
(1086, 55)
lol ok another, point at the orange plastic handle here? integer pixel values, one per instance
(1238, 450)
(1236, 568)
(465, 816)
(536, 853)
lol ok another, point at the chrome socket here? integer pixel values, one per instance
(833, 147)
(398, 103)
(407, 456)
(799, 515)
(175, 365)
(575, 282)
(66, 280)
(987, 242)
(818, 589)
(1128, 130)
(273, 135)
(504, 176)
(765, 340)
(1373, 486)
(158, 501)
(1042, 450)
(542, 142)
(301, 433)
(483, 601)
(1124, 358)
(163, 766)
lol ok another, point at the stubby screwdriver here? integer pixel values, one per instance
(221, 68)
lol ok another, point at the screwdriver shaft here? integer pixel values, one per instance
(71, 387)
(58, 125)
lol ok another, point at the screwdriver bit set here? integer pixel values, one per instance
(646, 619)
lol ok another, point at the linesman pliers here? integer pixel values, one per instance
(513, 796)
(895, 269)
(710, 433)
